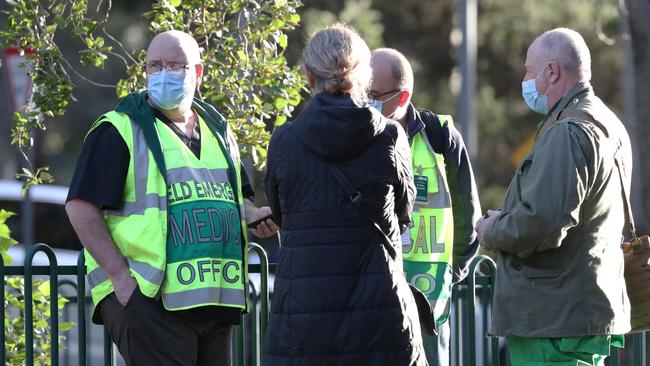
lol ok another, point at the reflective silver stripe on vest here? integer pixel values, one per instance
(184, 174)
(151, 200)
(96, 277)
(147, 271)
(143, 200)
(440, 199)
(199, 296)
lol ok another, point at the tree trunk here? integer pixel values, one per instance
(638, 122)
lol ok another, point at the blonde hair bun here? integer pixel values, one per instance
(340, 61)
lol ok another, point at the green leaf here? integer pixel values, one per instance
(5, 233)
(15, 282)
(280, 120)
(65, 326)
(4, 215)
(280, 103)
(6, 258)
(44, 288)
(59, 21)
(6, 243)
(242, 56)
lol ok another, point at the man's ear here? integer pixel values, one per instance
(311, 78)
(404, 98)
(553, 71)
(199, 74)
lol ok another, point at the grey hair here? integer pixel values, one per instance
(340, 61)
(400, 68)
(569, 49)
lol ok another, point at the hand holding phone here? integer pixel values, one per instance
(255, 223)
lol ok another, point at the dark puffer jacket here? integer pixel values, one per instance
(339, 298)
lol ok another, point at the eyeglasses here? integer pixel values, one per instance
(373, 97)
(156, 68)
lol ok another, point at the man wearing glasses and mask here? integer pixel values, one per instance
(160, 201)
(441, 241)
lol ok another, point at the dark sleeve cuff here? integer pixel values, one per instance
(246, 187)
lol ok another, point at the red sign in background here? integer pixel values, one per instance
(15, 68)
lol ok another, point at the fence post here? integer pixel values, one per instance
(264, 296)
(639, 349)
(471, 304)
(54, 309)
(254, 327)
(81, 307)
(3, 340)
(241, 357)
(73, 284)
(456, 297)
(108, 349)
(264, 290)
(485, 300)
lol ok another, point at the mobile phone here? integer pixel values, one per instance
(254, 224)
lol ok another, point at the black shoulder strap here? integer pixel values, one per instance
(356, 197)
(626, 199)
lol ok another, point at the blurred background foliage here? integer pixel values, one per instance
(246, 74)
(425, 31)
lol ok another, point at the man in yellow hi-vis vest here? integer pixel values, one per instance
(158, 202)
(440, 242)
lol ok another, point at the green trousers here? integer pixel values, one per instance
(565, 351)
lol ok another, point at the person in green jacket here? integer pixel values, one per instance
(560, 293)
(160, 202)
(441, 240)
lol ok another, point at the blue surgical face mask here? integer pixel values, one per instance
(168, 90)
(379, 104)
(376, 104)
(536, 102)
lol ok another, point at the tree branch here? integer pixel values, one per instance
(599, 28)
(109, 36)
(205, 29)
(80, 75)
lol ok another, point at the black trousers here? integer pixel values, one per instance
(147, 334)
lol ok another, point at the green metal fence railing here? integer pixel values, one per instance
(470, 316)
(473, 346)
(256, 320)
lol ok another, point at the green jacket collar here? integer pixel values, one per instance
(571, 96)
(141, 113)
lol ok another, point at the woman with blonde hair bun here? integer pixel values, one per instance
(340, 297)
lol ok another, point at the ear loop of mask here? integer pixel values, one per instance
(381, 102)
(198, 88)
(540, 73)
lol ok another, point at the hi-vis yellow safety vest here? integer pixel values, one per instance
(427, 245)
(184, 236)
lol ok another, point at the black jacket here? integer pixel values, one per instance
(339, 299)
